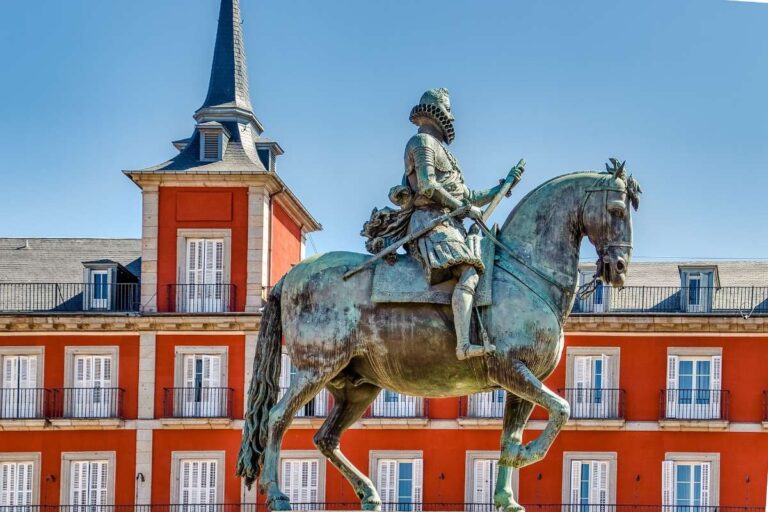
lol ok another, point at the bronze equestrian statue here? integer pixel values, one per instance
(340, 339)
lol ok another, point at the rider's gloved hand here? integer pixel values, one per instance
(475, 213)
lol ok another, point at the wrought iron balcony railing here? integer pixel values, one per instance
(24, 403)
(198, 402)
(400, 506)
(69, 297)
(595, 403)
(202, 298)
(88, 403)
(726, 300)
(318, 407)
(694, 404)
(394, 405)
(489, 404)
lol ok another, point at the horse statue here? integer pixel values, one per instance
(338, 339)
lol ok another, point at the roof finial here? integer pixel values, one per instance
(229, 74)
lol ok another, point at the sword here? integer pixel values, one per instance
(505, 187)
(413, 236)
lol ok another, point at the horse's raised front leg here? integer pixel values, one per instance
(305, 386)
(516, 414)
(517, 379)
(350, 402)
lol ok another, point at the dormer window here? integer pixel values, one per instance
(268, 151)
(210, 146)
(265, 155)
(697, 288)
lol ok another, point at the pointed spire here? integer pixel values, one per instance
(228, 87)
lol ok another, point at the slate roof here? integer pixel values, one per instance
(60, 260)
(667, 273)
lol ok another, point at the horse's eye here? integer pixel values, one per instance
(617, 209)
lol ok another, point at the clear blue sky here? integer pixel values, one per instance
(678, 88)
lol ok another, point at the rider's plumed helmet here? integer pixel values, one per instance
(435, 104)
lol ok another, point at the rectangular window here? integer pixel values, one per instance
(697, 291)
(484, 480)
(594, 392)
(317, 406)
(16, 485)
(21, 397)
(88, 482)
(694, 387)
(93, 394)
(687, 485)
(198, 482)
(202, 394)
(399, 482)
(589, 488)
(390, 404)
(597, 301)
(204, 290)
(100, 289)
(300, 479)
(487, 405)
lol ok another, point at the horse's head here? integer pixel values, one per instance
(607, 221)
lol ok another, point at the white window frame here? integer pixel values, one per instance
(609, 408)
(706, 292)
(712, 458)
(25, 351)
(182, 237)
(710, 411)
(181, 352)
(306, 455)
(401, 456)
(220, 142)
(570, 457)
(321, 402)
(71, 352)
(469, 473)
(66, 475)
(176, 459)
(34, 458)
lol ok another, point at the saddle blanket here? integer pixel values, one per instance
(405, 281)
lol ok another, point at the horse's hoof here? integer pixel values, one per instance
(508, 504)
(371, 504)
(280, 502)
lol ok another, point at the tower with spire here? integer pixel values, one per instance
(222, 186)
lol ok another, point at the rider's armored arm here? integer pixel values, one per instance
(485, 196)
(424, 160)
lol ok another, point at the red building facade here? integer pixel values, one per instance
(125, 362)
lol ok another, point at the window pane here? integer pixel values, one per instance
(683, 484)
(584, 494)
(694, 291)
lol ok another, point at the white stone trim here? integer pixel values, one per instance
(34, 458)
(469, 473)
(150, 198)
(147, 354)
(569, 457)
(257, 261)
(695, 351)
(144, 438)
(66, 461)
(613, 352)
(177, 456)
(714, 460)
(97, 350)
(375, 455)
(307, 454)
(251, 342)
(183, 234)
(38, 351)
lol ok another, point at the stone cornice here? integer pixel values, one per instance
(129, 323)
(687, 324)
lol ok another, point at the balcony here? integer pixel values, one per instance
(202, 298)
(318, 407)
(88, 403)
(69, 297)
(727, 300)
(595, 405)
(706, 408)
(479, 408)
(397, 410)
(24, 403)
(198, 402)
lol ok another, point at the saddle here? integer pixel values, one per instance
(405, 282)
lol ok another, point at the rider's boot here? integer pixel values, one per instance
(463, 296)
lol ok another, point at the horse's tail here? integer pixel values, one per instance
(263, 392)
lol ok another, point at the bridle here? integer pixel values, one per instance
(603, 246)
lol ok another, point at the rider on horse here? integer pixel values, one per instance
(433, 185)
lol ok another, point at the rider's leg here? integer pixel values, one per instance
(463, 296)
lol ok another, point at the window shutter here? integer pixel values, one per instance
(7, 483)
(418, 477)
(484, 473)
(27, 372)
(602, 475)
(313, 467)
(667, 485)
(78, 483)
(594, 482)
(611, 397)
(99, 472)
(575, 482)
(189, 372)
(285, 371)
(211, 371)
(672, 368)
(286, 480)
(582, 373)
(706, 483)
(387, 480)
(10, 372)
(717, 384)
(24, 483)
(210, 145)
(185, 480)
(198, 482)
